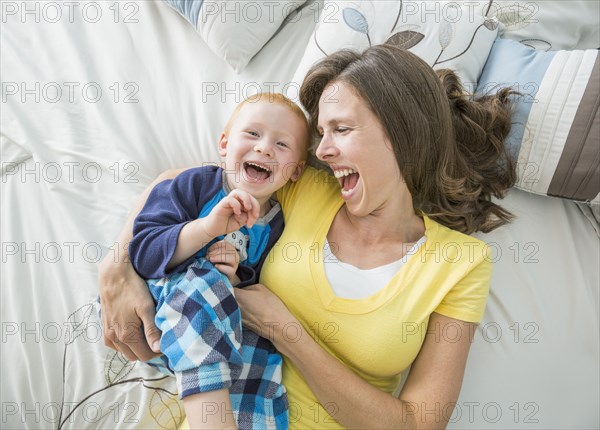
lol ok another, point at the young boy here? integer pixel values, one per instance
(201, 233)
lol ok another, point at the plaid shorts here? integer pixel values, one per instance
(207, 349)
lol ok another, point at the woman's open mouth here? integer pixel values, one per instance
(257, 172)
(348, 178)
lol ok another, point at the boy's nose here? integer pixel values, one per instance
(264, 148)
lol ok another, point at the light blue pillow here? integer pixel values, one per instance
(236, 30)
(190, 9)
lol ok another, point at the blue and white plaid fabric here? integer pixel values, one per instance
(205, 346)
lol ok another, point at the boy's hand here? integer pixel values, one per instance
(225, 259)
(238, 209)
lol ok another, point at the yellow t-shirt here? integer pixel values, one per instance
(377, 337)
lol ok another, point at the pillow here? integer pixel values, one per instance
(550, 25)
(556, 128)
(446, 34)
(234, 29)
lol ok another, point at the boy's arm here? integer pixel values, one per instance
(210, 410)
(170, 205)
(235, 210)
(167, 233)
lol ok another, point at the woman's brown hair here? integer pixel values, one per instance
(450, 149)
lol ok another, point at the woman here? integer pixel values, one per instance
(373, 272)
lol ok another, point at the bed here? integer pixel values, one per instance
(98, 98)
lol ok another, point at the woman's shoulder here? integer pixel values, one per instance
(314, 185)
(313, 175)
(446, 233)
(454, 246)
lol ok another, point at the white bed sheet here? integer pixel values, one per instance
(541, 371)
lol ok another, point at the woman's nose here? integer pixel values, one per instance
(326, 148)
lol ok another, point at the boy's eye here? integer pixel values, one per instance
(282, 144)
(252, 133)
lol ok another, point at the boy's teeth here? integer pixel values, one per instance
(259, 166)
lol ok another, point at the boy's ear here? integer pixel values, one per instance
(298, 171)
(223, 145)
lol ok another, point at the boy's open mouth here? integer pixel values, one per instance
(348, 178)
(257, 171)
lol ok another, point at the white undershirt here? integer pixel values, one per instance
(350, 282)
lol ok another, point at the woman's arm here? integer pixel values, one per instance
(427, 399)
(126, 302)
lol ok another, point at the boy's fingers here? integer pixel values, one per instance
(252, 204)
(222, 252)
(255, 212)
(221, 258)
(249, 202)
(242, 197)
(224, 269)
(253, 216)
(235, 205)
(255, 207)
(245, 207)
(241, 219)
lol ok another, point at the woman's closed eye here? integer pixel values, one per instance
(321, 132)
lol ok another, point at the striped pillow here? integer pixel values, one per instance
(556, 127)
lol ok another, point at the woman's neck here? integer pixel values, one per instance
(374, 240)
(385, 226)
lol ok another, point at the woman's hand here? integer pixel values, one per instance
(264, 313)
(126, 301)
(127, 309)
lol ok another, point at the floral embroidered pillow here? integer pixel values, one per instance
(446, 34)
(549, 25)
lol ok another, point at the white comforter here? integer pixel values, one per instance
(92, 112)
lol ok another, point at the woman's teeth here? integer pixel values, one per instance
(348, 178)
(344, 172)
